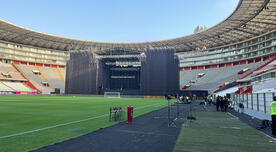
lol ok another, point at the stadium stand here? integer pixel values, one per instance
(265, 86)
(187, 76)
(4, 87)
(8, 72)
(43, 75)
(262, 79)
(12, 80)
(214, 77)
(53, 77)
(4, 67)
(17, 86)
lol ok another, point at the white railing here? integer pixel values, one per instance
(256, 105)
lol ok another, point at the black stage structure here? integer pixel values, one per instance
(152, 72)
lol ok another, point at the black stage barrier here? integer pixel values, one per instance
(160, 72)
(81, 74)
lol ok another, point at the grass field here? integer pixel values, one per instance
(31, 122)
(221, 132)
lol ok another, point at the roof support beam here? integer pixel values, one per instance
(245, 31)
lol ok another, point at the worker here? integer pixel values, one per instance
(222, 103)
(227, 103)
(218, 102)
(210, 99)
(273, 115)
(187, 99)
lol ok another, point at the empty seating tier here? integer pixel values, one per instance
(45, 79)
(214, 77)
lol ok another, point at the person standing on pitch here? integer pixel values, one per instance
(218, 102)
(273, 115)
(222, 103)
(210, 99)
(226, 103)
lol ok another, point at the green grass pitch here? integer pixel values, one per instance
(221, 132)
(31, 122)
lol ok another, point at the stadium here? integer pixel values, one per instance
(59, 94)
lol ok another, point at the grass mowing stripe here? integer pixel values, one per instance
(64, 124)
(258, 130)
(148, 106)
(50, 127)
(205, 134)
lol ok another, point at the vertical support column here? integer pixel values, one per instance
(242, 98)
(252, 101)
(258, 108)
(247, 101)
(264, 103)
(236, 99)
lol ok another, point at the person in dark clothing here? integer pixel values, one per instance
(218, 103)
(205, 99)
(222, 103)
(226, 103)
(210, 99)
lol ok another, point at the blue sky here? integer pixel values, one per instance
(116, 20)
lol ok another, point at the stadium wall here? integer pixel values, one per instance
(248, 51)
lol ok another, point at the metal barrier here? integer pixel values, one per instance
(256, 104)
(116, 114)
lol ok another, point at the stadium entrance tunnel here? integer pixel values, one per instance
(150, 72)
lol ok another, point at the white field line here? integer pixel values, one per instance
(50, 127)
(65, 124)
(258, 130)
(230, 128)
(232, 115)
(268, 136)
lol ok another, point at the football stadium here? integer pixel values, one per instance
(213, 90)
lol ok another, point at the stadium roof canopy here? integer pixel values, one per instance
(251, 18)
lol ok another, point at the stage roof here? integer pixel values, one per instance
(250, 19)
